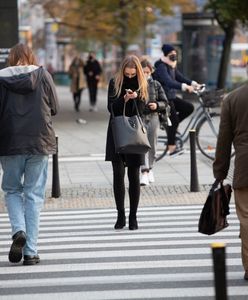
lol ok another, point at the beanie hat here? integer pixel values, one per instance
(166, 48)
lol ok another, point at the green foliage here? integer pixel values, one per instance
(109, 21)
(229, 12)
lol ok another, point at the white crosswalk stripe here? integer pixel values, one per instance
(83, 257)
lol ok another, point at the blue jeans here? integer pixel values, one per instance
(24, 180)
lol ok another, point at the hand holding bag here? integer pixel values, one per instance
(129, 133)
(213, 217)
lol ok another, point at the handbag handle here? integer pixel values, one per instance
(137, 112)
(215, 184)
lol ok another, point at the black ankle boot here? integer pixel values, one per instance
(121, 220)
(133, 224)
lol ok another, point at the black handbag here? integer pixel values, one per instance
(213, 217)
(129, 133)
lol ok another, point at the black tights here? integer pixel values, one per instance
(180, 109)
(119, 186)
(77, 99)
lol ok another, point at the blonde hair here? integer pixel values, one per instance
(131, 61)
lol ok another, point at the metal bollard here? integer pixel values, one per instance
(194, 185)
(218, 251)
(55, 178)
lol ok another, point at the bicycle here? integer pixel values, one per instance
(203, 120)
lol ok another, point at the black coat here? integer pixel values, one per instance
(170, 79)
(28, 99)
(92, 69)
(118, 105)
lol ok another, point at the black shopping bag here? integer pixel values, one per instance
(213, 217)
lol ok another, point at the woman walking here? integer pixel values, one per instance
(157, 102)
(76, 72)
(127, 86)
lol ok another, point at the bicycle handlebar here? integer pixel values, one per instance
(199, 90)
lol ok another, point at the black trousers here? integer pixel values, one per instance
(92, 86)
(180, 109)
(119, 186)
(77, 99)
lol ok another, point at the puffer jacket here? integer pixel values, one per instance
(156, 95)
(28, 99)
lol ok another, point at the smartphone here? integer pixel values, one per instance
(129, 91)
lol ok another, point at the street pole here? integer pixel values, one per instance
(9, 29)
(194, 184)
(218, 251)
(56, 193)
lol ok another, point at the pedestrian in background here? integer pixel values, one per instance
(92, 71)
(76, 73)
(27, 102)
(130, 77)
(172, 80)
(234, 130)
(156, 102)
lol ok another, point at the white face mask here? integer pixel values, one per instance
(166, 60)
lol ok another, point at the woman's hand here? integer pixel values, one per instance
(152, 106)
(130, 95)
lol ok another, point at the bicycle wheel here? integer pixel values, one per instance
(206, 135)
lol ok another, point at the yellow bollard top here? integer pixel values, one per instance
(218, 245)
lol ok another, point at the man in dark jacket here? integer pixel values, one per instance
(234, 130)
(172, 81)
(27, 101)
(92, 71)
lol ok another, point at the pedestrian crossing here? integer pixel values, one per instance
(83, 257)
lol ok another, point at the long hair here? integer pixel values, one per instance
(21, 54)
(131, 61)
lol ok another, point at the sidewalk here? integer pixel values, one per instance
(86, 179)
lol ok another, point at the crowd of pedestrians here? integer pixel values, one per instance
(28, 101)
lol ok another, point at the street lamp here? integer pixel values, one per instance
(147, 11)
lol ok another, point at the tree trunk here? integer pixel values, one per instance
(123, 23)
(225, 56)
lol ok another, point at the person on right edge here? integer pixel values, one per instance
(172, 81)
(156, 103)
(127, 86)
(234, 130)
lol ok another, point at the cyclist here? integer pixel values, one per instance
(172, 80)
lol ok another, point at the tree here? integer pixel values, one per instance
(229, 14)
(109, 21)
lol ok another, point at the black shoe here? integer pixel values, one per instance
(121, 220)
(19, 241)
(176, 152)
(31, 260)
(133, 224)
